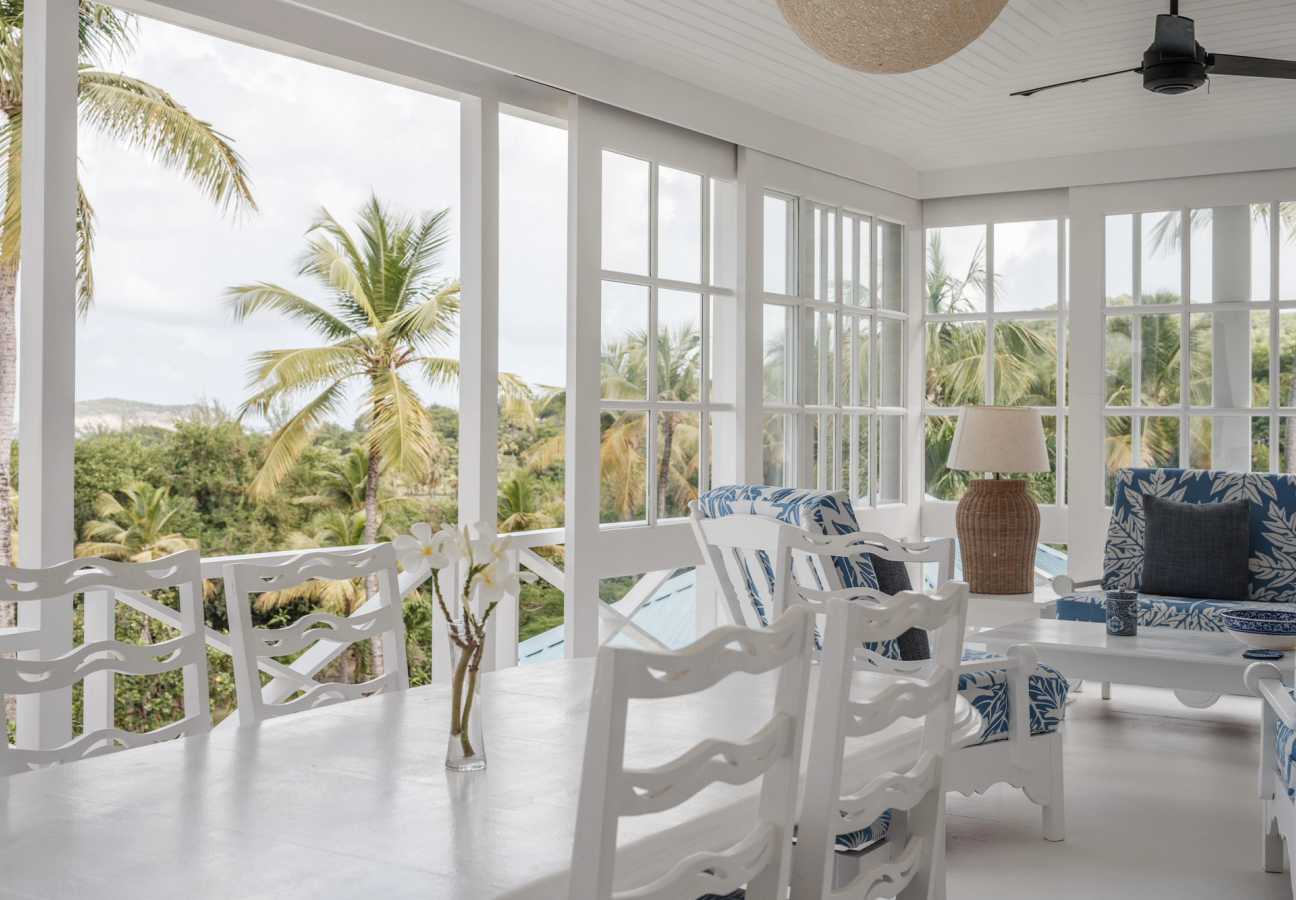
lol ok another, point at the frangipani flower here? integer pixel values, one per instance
(424, 547)
(494, 582)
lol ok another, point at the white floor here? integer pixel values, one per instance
(1161, 803)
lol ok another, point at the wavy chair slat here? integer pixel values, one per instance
(885, 616)
(90, 573)
(761, 859)
(903, 699)
(722, 652)
(319, 638)
(885, 879)
(96, 743)
(101, 581)
(894, 790)
(647, 791)
(328, 693)
(712, 873)
(308, 629)
(20, 676)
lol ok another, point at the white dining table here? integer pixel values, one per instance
(353, 800)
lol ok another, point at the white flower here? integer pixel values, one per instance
(493, 582)
(421, 547)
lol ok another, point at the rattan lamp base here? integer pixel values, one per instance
(998, 526)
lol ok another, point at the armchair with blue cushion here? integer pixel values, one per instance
(1277, 763)
(1272, 539)
(1023, 750)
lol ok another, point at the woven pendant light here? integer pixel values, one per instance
(887, 37)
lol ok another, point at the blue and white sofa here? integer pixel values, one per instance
(972, 769)
(1273, 546)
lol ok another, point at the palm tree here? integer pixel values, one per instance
(131, 111)
(521, 504)
(137, 530)
(345, 481)
(389, 314)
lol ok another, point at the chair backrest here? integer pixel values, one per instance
(829, 807)
(322, 635)
(101, 655)
(761, 859)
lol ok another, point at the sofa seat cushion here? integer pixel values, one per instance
(988, 694)
(1155, 610)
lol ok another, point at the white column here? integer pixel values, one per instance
(584, 310)
(1231, 336)
(47, 339)
(749, 318)
(479, 318)
(1086, 520)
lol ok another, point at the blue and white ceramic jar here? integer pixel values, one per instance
(1122, 613)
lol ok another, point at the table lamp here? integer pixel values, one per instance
(997, 520)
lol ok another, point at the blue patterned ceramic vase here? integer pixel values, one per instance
(1122, 613)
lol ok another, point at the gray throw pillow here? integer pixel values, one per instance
(893, 577)
(1196, 550)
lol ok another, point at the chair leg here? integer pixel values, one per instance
(1055, 812)
(1077, 688)
(1273, 842)
(1106, 690)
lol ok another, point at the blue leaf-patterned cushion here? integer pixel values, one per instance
(821, 512)
(988, 694)
(1272, 524)
(1155, 610)
(1285, 747)
(854, 840)
(740, 894)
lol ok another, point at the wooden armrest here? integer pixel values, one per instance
(1019, 656)
(1065, 584)
(1265, 681)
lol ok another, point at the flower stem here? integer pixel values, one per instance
(465, 740)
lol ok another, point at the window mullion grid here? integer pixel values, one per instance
(704, 352)
(650, 423)
(1185, 380)
(838, 251)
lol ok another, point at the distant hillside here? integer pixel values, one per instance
(115, 414)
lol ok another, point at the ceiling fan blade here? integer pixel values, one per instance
(1048, 87)
(1255, 66)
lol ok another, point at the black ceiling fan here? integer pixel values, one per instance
(1176, 63)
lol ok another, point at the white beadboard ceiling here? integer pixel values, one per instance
(958, 113)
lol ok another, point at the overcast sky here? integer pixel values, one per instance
(311, 137)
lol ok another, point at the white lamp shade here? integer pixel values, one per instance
(999, 439)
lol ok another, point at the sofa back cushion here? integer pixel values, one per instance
(1271, 525)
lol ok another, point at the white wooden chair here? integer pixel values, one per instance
(1277, 767)
(733, 545)
(101, 655)
(762, 859)
(909, 861)
(322, 636)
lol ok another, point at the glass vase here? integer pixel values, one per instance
(465, 746)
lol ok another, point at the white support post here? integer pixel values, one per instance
(750, 318)
(584, 311)
(100, 625)
(1086, 521)
(479, 319)
(47, 340)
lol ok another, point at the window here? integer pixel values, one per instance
(668, 277)
(834, 335)
(1199, 331)
(995, 315)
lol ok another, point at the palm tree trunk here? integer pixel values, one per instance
(663, 472)
(8, 385)
(370, 536)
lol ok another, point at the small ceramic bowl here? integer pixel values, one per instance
(1263, 629)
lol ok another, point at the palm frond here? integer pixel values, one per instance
(243, 300)
(401, 429)
(287, 443)
(147, 118)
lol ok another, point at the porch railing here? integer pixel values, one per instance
(502, 648)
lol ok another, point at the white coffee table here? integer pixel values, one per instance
(1206, 662)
